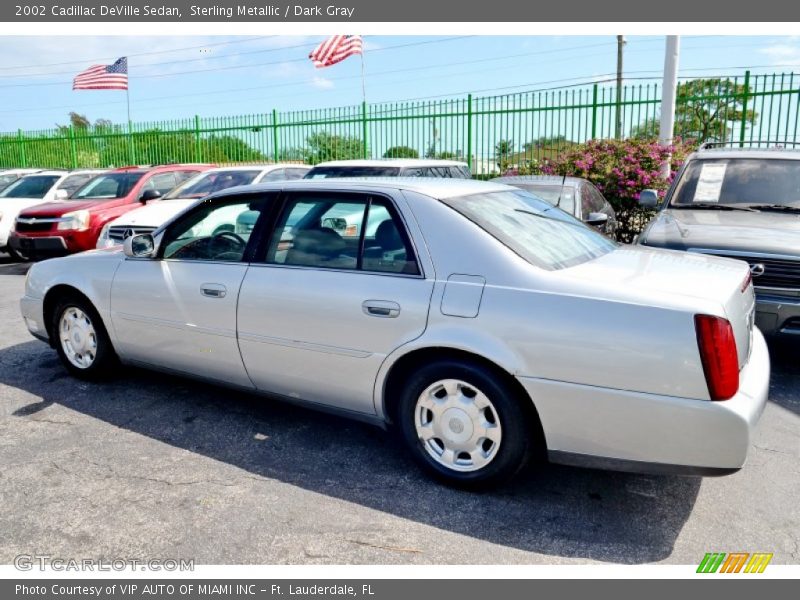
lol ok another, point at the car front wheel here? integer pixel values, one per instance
(81, 339)
(465, 425)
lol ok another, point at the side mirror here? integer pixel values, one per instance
(62, 194)
(148, 195)
(596, 219)
(140, 246)
(648, 199)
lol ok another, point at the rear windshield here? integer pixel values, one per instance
(553, 194)
(111, 185)
(326, 172)
(747, 181)
(202, 185)
(543, 235)
(32, 186)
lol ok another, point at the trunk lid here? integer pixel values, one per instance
(667, 272)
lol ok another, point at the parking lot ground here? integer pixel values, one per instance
(153, 466)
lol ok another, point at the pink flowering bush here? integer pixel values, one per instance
(621, 169)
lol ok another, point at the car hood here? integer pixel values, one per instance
(12, 206)
(761, 232)
(59, 207)
(651, 275)
(153, 214)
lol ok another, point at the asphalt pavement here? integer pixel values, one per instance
(154, 466)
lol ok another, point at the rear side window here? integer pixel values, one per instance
(342, 232)
(161, 182)
(73, 183)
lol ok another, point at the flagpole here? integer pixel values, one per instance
(363, 78)
(131, 147)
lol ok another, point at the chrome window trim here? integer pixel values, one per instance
(720, 251)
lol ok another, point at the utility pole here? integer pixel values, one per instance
(668, 92)
(620, 46)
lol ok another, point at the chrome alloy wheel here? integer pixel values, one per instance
(78, 337)
(458, 425)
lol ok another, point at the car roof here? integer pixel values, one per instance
(543, 179)
(169, 167)
(393, 162)
(269, 167)
(430, 186)
(50, 172)
(757, 153)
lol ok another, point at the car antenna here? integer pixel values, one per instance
(561, 191)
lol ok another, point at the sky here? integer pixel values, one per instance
(173, 77)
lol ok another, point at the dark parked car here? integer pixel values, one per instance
(741, 203)
(577, 196)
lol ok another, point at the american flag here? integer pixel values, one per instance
(335, 49)
(103, 77)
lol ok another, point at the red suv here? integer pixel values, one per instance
(73, 225)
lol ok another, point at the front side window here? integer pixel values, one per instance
(161, 182)
(532, 228)
(32, 186)
(110, 185)
(341, 232)
(214, 231)
(591, 201)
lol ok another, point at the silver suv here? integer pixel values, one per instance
(741, 203)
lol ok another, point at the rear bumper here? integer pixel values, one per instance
(777, 315)
(630, 431)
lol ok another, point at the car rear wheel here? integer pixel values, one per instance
(81, 339)
(465, 425)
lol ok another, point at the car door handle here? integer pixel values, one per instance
(381, 308)
(213, 290)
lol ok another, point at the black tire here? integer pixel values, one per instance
(15, 255)
(520, 436)
(105, 360)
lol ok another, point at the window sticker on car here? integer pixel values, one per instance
(709, 184)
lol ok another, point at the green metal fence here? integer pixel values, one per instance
(491, 133)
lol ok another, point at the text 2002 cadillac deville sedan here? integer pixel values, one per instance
(488, 326)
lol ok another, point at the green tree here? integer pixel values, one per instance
(502, 150)
(401, 152)
(545, 142)
(705, 110)
(324, 146)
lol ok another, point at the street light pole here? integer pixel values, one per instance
(668, 93)
(620, 46)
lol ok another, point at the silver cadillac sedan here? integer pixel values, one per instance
(486, 326)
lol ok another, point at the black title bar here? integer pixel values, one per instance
(355, 11)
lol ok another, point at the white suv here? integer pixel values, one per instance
(151, 216)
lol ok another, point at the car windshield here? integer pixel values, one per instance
(32, 186)
(551, 194)
(352, 171)
(110, 185)
(739, 181)
(543, 235)
(202, 185)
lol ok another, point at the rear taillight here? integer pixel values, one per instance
(718, 354)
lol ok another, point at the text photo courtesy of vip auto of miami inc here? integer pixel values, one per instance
(424, 299)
